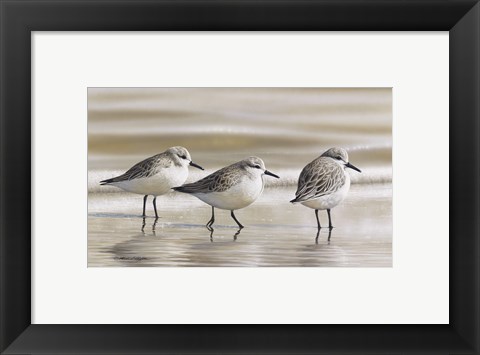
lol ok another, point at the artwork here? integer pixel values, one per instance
(283, 177)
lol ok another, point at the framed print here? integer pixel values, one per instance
(278, 244)
(96, 102)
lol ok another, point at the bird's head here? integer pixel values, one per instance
(340, 156)
(256, 166)
(182, 156)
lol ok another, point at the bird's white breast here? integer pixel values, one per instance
(158, 184)
(238, 196)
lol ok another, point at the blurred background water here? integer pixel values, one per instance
(287, 128)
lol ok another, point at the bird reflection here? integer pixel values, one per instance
(144, 223)
(211, 233)
(329, 234)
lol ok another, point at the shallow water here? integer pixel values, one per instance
(276, 232)
(286, 127)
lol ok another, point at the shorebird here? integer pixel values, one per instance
(324, 183)
(231, 188)
(155, 175)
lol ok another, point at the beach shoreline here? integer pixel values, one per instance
(277, 233)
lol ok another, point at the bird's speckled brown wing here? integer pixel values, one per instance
(220, 180)
(146, 168)
(320, 177)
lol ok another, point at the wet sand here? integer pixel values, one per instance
(276, 233)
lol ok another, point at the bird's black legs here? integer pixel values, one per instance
(329, 220)
(236, 220)
(318, 221)
(144, 203)
(155, 206)
(210, 222)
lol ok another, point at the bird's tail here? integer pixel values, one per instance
(192, 188)
(294, 200)
(185, 189)
(106, 182)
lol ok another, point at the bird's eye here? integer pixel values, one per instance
(257, 166)
(339, 158)
(183, 157)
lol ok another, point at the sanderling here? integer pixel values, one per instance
(155, 175)
(324, 183)
(231, 188)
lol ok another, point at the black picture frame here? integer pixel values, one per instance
(18, 18)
